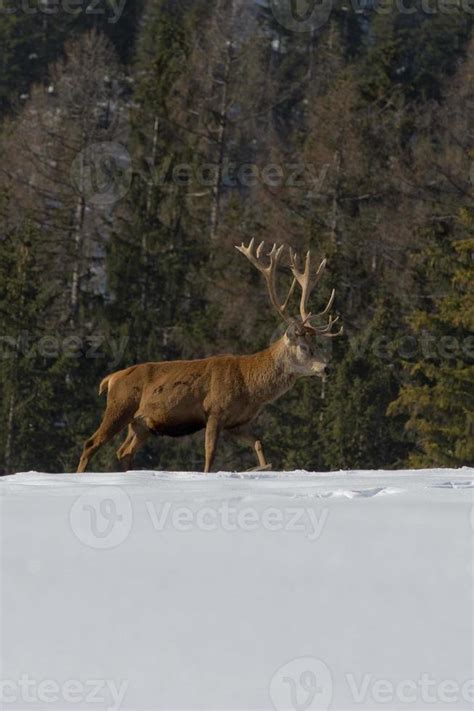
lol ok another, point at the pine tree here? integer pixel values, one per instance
(24, 377)
(412, 52)
(354, 427)
(439, 395)
(30, 42)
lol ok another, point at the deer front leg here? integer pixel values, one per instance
(136, 438)
(244, 435)
(212, 434)
(260, 455)
(125, 445)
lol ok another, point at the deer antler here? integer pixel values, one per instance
(304, 280)
(269, 272)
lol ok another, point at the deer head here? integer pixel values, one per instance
(302, 343)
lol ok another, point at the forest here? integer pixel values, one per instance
(141, 140)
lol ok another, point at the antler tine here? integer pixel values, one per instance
(325, 331)
(248, 251)
(269, 272)
(276, 252)
(290, 294)
(321, 270)
(303, 279)
(329, 325)
(329, 305)
(334, 335)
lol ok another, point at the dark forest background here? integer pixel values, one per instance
(133, 156)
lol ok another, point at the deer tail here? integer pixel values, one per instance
(104, 386)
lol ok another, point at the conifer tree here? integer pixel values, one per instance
(412, 51)
(355, 429)
(439, 396)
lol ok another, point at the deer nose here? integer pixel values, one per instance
(328, 369)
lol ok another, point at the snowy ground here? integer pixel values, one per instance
(298, 591)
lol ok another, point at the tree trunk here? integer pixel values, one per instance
(221, 133)
(335, 206)
(9, 432)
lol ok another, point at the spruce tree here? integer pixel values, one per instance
(439, 395)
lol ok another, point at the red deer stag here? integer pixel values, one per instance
(221, 393)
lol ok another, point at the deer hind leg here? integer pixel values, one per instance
(137, 435)
(111, 424)
(245, 436)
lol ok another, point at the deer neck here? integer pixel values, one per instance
(268, 374)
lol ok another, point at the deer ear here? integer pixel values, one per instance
(293, 332)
